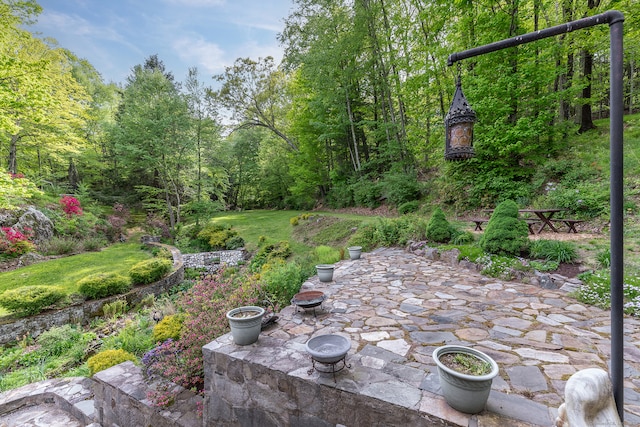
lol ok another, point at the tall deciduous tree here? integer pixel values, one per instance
(253, 91)
(43, 106)
(152, 141)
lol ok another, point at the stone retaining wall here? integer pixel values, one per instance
(120, 396)
(12, 329)
(267, 385)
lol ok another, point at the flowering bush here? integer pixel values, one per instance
(15, 243)
(205, 306)
(71, 206)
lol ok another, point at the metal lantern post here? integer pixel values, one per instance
(615, 20)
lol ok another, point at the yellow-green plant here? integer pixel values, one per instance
(108, 358)
(168, 327)
(150, 271)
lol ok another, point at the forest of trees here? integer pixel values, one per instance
(353, 116)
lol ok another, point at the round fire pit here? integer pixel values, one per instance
(308, 299)
(328, 348)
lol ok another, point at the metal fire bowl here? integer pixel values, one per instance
(308, 299)
(328, 348)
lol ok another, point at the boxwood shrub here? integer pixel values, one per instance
(108, 358)
(168, 327)
(28, 300)
(149, 271)
(103, 285)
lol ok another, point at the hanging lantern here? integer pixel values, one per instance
(459, 127)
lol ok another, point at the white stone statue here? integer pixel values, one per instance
(588, 401)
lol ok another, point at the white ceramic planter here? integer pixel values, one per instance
(325, 272)
(354, 252)
(245, 329)
(466, 393)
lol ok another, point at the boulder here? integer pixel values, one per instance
(40, 225)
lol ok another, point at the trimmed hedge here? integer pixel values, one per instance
(28, 300)
(108, 358)
(505, 234)
(103, 285)
(150, 271)
(438, 228)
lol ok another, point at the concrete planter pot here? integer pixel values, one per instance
(464, 392)
(354, 252)
(325, 272)
(246, 323)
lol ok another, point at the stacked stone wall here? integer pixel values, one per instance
(120, 396)
(12, 329)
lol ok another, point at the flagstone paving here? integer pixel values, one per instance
(396, 307)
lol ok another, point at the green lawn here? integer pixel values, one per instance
(273, 225)
(65, 272)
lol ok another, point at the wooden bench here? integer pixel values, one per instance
(531, 222)
(479, 222)
(571, 223)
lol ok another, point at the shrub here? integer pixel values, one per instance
(28, 300)
(438, 228)
(14, 242)
(408, 207)
(216, 236)
(93, 244)
(108, 358)
(168, 327)
(282, 280)
(553, 250)
(367, 193)
(59, 246)
(267, 253)
(400, 188)
(101, 285)
(505, 233)
(71, 206)
(234, 243)
(294, 220)
(149, 271)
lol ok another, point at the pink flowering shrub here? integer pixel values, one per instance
(205, 306)
(15, 243)
(71, 206)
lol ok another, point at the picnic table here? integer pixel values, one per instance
(544, 215)
(544, 219)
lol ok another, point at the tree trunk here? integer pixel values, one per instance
(586, 118)
(12, 164)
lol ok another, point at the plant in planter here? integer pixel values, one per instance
(246, 323)
(466, 375)
(325, 272)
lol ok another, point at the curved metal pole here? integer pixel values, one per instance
(615, 19)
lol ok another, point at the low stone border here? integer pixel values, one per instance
(537, 278)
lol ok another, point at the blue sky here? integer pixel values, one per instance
(115, 35)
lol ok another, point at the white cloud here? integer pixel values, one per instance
(76, 25)
(205, 54)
